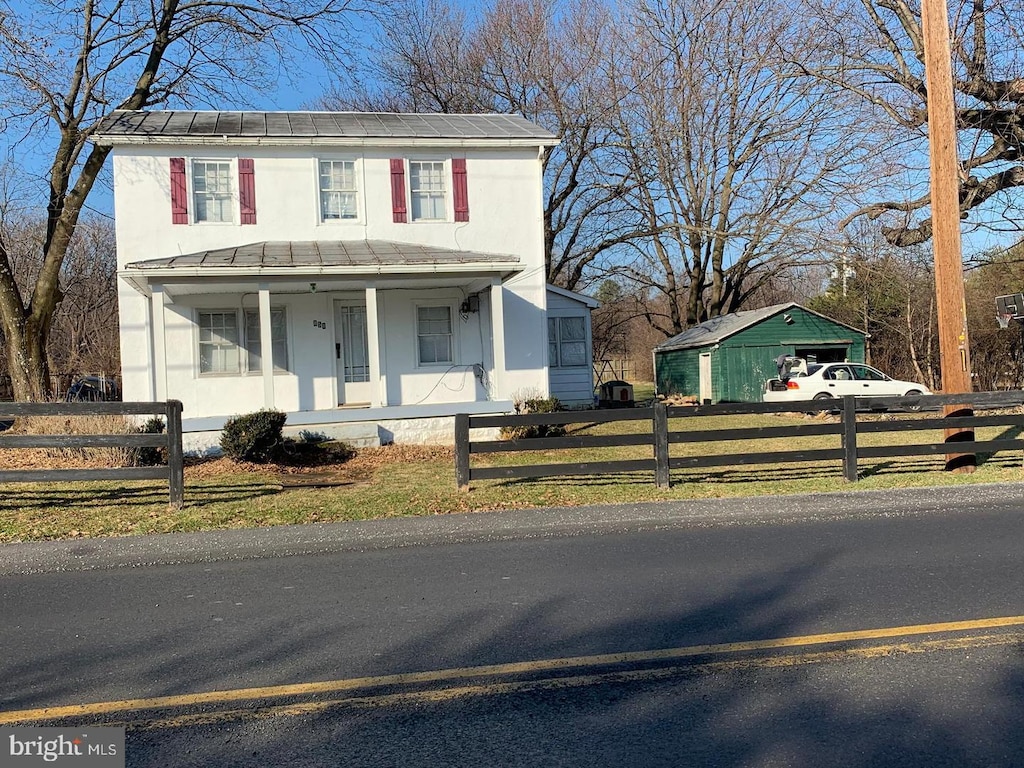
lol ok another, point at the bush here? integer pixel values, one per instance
(306, 452)
(150, 457)
(253, 437)
(535, 405)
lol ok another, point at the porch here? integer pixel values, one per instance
(360, 332)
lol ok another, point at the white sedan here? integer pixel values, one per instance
(826, 381)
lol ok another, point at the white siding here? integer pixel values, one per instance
(505, 201)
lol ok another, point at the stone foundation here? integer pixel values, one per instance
(438, 430)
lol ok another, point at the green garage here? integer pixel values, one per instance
(729, 358)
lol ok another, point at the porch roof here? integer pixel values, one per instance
(359, 256)
(347, 260)
(333, 264)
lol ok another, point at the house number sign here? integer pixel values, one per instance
(320, 324)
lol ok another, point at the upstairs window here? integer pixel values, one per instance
(211, 190)
(567, 342)
(427, 190)
(338, 190)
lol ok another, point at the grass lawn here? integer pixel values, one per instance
(404, 481)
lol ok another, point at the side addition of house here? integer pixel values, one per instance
(341, 267)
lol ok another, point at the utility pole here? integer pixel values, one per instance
(954, 352)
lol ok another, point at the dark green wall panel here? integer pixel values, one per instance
(741, 363)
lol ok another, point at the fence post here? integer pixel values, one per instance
(175, 456)
(660, 427)
(462, 451)
(849, 437)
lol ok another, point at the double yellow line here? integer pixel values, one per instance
(489, 676)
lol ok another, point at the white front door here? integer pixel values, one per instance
(351, 353)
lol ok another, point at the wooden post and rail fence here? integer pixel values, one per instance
(173, 472)
(661, 437)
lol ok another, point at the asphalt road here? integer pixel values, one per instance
(639, 635)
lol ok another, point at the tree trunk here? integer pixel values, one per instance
(27, 363)
(918, 373)
(24, 340)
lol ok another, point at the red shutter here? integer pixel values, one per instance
(179, 193)
(459, 189)
(398, 211)
(247, 190)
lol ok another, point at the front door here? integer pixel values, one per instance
(351, 353)
(704, 383)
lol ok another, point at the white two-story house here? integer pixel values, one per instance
(385, 270)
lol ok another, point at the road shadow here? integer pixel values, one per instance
(234, 625)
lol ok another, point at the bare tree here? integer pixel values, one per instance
(876, 52)
(63, 69)
(84, 331)
(735, 157)
(997, 354)
(889, 293)
(544, 60)
(84, 335)
(422, 58)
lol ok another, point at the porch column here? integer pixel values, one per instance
(159, 343)
(498, 338)
(266, 347)
(378, 386)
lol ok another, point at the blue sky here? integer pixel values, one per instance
(294, 89)
(299, 89)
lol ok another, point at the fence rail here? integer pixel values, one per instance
(661, 437)
(173, 472)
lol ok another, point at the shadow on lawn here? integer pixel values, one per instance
(16, 497)
(740, 475)
(684, 476)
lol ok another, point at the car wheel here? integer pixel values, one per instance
(913, 393)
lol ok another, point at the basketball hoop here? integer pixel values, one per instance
(1004, 319)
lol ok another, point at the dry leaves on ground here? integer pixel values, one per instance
(359, 466)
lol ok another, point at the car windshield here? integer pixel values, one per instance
(813, 369)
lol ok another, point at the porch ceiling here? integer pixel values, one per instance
(330, 265)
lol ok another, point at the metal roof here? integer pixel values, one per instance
(155, 125)
(718, 329)
(356, 255)
(582, 298)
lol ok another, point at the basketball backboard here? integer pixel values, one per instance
(1011, 304)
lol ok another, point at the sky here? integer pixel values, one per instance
(299, 89)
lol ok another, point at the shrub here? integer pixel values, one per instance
(149, 457)
(253, 437)
(306, 452)
(535, 405)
